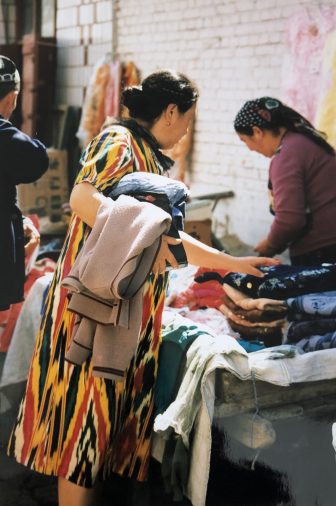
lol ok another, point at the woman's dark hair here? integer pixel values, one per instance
(270, 114)
(158, 90)
(9, 76)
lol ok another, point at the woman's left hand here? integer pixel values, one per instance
(249, 265)
(165, 256)
(33, 237)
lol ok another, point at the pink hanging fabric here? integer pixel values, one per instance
(306, 33)
(112, 100)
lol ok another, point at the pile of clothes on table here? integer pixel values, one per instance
(290, 304)
(246, 325)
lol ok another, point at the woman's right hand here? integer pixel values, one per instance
(165, 255)
(249, 265)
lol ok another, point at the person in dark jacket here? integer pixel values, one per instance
(23, 160)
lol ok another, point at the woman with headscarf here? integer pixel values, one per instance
(302, 180)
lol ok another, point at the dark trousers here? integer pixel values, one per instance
(316, 257)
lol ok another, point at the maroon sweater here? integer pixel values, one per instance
(302, 177)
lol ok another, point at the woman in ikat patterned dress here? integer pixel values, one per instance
(71, 424)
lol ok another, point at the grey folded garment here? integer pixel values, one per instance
(86, 303)
(106, 284)
(106, 332)
(118, 255)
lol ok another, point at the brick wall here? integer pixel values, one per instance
(233, 49)
(84, 31)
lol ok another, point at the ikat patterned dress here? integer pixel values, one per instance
(72, 424)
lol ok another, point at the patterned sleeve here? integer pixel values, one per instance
(106, 160)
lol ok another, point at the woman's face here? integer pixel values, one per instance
(182, 123)
(172, 126)
(262, 141)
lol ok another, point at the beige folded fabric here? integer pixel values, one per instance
(246, 323)
(254, 315)
(246, 302)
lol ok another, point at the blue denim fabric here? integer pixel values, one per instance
(145, 183)
(321, 303)
(284, 281)
(315, 343)
(301, 329)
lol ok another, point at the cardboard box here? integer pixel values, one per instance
(45, 196)
(200, 229)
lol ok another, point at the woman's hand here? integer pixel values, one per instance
(205, 256)
(165, 255)
(248, 265)
(33, 236)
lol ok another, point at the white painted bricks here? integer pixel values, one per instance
(233, 49)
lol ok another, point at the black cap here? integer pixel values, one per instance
(8, 71)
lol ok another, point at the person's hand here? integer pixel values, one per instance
(165, 255)
(265, 249)
(33, 236)
(249, 265)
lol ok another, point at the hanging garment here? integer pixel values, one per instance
(130, 74)
(93, 112)
(306, 35)
(113, 90)
(326, 110)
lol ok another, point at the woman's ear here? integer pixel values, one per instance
(170, 114)
(257, 132)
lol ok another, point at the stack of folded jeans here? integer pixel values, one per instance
(312, 321)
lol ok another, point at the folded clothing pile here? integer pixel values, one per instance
(206, 290)
(312, 321)
(259, 319)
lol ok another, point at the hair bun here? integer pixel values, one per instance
(132, 95)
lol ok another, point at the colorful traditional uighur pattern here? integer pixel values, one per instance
(70, 423)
